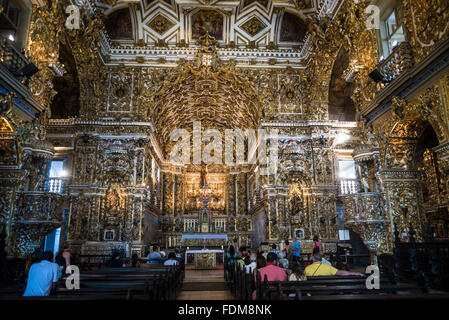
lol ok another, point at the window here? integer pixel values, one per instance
(391, 30)
(14, 21)
(346, 169)
(343, 235)
(347, 176)
(52, 241)
(56, 175)
(109, 235)
(57, 169)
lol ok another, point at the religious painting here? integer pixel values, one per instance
(293, 29)
(210, 21)
(299, 233)
(119, 25)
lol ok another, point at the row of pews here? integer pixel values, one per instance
(243, 286)
(149, 282)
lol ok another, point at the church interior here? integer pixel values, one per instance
(335, 114)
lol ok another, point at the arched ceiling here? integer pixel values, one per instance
(207, 95)
(161, 32)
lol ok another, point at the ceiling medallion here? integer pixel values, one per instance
(161, 24)
(253, 26)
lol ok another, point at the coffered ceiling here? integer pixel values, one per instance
(254, 33)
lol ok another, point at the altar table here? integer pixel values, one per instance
(204, 259)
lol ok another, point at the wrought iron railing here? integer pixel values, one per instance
(395, 64)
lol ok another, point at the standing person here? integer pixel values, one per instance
(236, 247)
(231, 255)
(42, 277)
(296, 251)
(287, 247)
(274, 250)
(317, 244)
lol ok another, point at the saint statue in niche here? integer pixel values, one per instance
(203, 174)
(113, 201)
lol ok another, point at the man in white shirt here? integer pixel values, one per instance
(42, 277)
(250, 267)
(171, 260)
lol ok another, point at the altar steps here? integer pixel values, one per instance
(204, 285)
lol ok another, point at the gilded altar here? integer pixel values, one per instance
(204, 259)
(207, 260)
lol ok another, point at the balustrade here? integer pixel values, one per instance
(349, 186)
(395, 64)
(12, 59)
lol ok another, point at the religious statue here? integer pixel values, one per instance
(203, 174)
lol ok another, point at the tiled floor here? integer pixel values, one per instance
(215, 276)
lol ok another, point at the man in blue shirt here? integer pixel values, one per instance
(155, 255)
(42, 277)
(296, 251)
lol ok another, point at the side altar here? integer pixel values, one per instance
(202, 256)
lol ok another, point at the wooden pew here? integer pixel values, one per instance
(165, 281)
(154, 282)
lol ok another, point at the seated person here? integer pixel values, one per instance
(243, 252)
(323, 260)
(171, 260)
(297, 274)
(283, 263)
(115, 262)
(318, 268)
(162, 253)
(239, 263)
(62, 259)
(42, 277)
(250, 263)
(134, 263)
(178, 255)
(155, 255)
(273, 272)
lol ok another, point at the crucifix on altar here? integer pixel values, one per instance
(204, 213)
